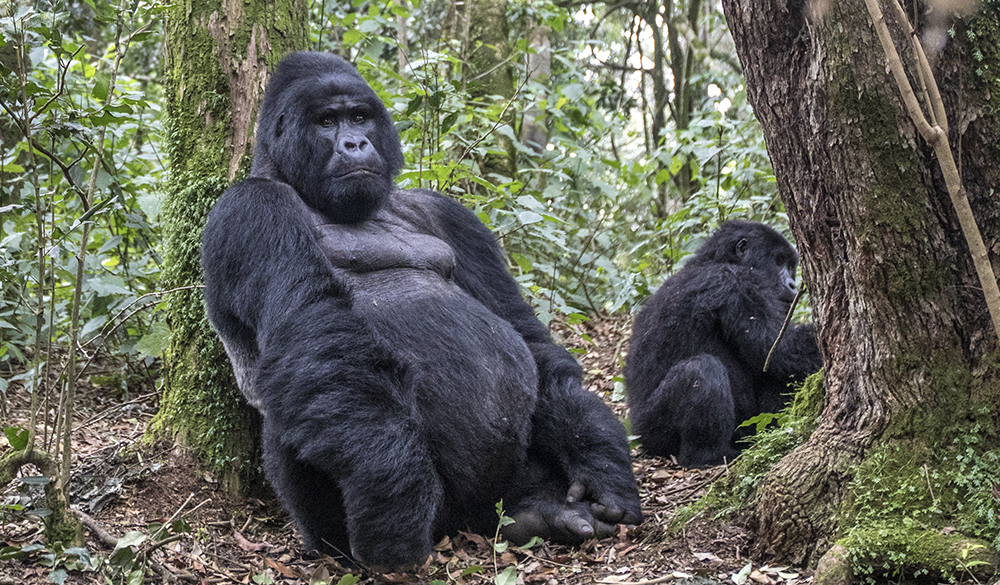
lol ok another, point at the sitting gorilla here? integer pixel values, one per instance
(405, 385)
(695, 367)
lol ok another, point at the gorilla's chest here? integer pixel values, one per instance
(384, 245)
(400, 285)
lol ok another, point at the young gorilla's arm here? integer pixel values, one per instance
(751, 320)
(573, 429)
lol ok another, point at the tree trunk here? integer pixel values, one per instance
(489, 73)
(217, 58)
(912, 362)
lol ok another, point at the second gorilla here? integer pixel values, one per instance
(695, 367)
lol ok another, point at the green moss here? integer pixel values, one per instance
(894, 202)
(906, 552)
(911, 501)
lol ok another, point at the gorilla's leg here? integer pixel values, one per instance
(371, 491)
(691, 413)
(345, 428)
(310, 496)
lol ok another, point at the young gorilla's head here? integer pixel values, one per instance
(758, 247)
(322, 130)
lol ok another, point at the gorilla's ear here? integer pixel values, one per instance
(741, 248)
(280, 126)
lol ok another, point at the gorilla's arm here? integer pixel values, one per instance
(326, 387)
(573, 429)
(751, 318)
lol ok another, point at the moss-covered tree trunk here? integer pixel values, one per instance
(913, 376)
(217, 57)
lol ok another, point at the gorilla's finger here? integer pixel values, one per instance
(573, 523)
(607, 510)
(576, 493)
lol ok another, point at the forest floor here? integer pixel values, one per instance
(126, 485)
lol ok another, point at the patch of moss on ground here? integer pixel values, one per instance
(910, 503)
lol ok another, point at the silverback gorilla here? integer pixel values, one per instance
(695, 366)
(405, 385)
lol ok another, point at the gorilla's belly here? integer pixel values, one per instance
(466, 368)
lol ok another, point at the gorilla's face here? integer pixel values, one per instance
(347, 178)
(768, 254)
(326, 133)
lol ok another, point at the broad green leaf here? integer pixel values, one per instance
(102, 82)
(507, 577)
(17, 437)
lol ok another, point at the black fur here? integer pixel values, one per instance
(695, 364)
(406, 386)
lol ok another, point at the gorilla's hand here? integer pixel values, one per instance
(570, 523)
(607, 506)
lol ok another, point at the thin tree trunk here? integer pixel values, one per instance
(490, 72)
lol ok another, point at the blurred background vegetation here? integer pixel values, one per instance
(627, 134)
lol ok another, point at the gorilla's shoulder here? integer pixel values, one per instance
(260, 188)
(244, 201)
(432, 209)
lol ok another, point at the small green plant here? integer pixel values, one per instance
(509, 575)
(968, 563)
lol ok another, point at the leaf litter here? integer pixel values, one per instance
(195, 532)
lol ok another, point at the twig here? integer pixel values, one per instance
(172, 518)
(784, 326)
(113, 409)
(96, 528)
(109, 539)
(663, 579)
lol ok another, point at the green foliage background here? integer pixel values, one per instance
(579, 222)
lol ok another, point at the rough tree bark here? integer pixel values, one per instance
(217, 57)
(910, 352)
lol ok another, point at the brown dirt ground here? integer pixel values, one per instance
(127, 485)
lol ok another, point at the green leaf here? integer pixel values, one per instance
(58, 576)
(132, 538)
(155, 341)
(508, 577)
(349, 579)
(17, 437)
(136, 577)
(352, 37)
(529, 217)
(102, 82)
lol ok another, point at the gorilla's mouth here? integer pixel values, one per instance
(362, 173)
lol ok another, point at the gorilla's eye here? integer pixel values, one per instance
(327, 120)
(359, 118)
